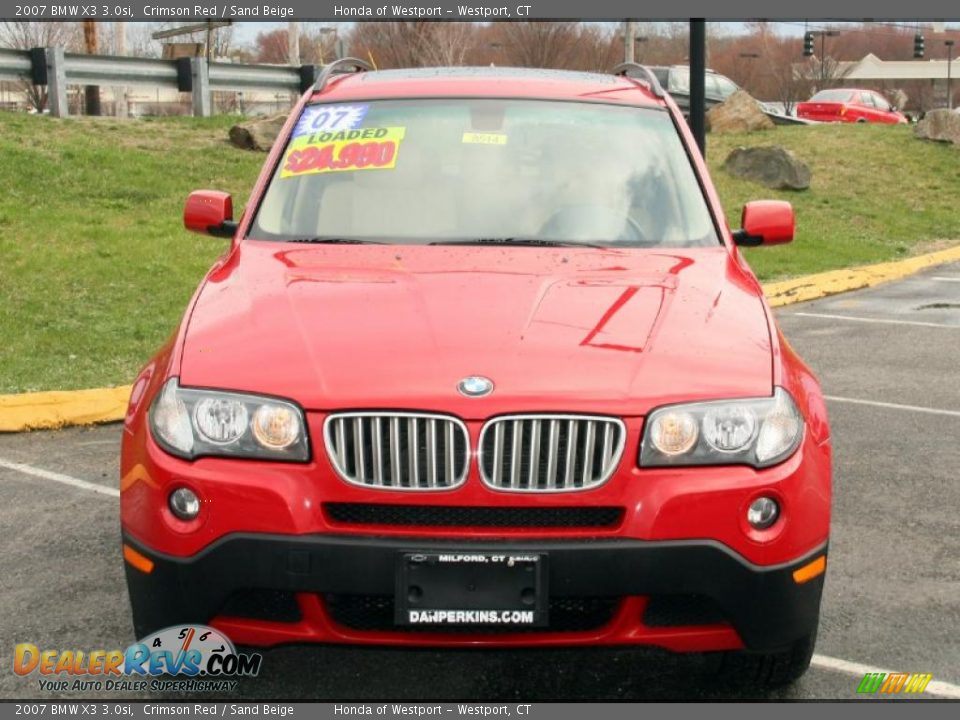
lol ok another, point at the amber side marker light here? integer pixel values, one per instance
(145, 564)
(809, 571)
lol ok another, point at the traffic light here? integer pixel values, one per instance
(808, 44)
(918, 45)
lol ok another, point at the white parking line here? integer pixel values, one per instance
(59, 477)
(946, 279)
(894, 406)
(876, 320)
(936, 687)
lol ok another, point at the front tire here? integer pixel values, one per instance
(768, 670)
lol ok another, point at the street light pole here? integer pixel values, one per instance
(698, 76)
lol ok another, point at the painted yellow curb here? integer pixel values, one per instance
(812, 287)
(49, 410)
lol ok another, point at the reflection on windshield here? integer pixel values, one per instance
(428, 171)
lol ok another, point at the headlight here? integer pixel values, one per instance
(756, 431)
(193, 423)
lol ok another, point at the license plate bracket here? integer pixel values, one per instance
(461, 588)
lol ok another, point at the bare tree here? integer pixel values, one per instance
(23, 35)
(789, 85)
(600, 46)
(445, 43)
(140, 42)
(413, 44)
(540, 44)
(272, 47)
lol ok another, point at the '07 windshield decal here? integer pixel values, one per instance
(319, 118)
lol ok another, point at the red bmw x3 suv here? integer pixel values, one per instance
(482, 366)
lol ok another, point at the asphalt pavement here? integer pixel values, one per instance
(889, 361)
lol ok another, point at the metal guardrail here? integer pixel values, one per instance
(14, 65)
(56, 69)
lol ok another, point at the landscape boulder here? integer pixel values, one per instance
(770, 165)
(258, 134)
(738, 113)
(939, 125)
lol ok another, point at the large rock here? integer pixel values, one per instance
(738, 113)
(771, 165)
(257, 134)
(940, 125)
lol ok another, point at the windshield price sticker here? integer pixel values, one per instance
(324, 152)
(318, 118)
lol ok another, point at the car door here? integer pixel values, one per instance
(862, 108)
(885, 112)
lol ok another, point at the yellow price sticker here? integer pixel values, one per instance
(346, 150)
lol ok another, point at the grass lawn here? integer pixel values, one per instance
(95, 268)
(877, 194)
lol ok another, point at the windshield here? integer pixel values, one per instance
(461, 170)
(831, 96)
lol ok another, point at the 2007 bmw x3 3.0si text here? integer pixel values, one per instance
(482, 366)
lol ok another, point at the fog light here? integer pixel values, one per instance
(763, 513)
(184, 504)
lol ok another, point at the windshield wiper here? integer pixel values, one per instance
(536, 242)
(332, 241)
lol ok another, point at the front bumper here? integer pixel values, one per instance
(760, 607)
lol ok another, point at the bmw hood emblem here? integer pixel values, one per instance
(475, 386)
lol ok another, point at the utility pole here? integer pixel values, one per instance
(120, 92)
(293, 49)
(629, 33)
(336, 42)
(949, 44)
(293, 43)
(92, 92)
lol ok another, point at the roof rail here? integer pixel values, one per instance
(340, 66)
(649, 78)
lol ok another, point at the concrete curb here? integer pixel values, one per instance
(51, 410)
(812, 287)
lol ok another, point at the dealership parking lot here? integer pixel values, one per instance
(888, 358)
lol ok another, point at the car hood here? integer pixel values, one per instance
(555, 329)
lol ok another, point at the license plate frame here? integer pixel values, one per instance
(504, 589)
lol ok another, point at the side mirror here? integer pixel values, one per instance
(765, 222)
(209, 212)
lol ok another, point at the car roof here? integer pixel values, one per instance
(488, 82)
(847, 90)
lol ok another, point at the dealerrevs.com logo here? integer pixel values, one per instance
(190, 658)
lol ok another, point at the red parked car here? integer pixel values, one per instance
(483, 365)
(850, 105)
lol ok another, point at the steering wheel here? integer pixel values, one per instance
(591, 222)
